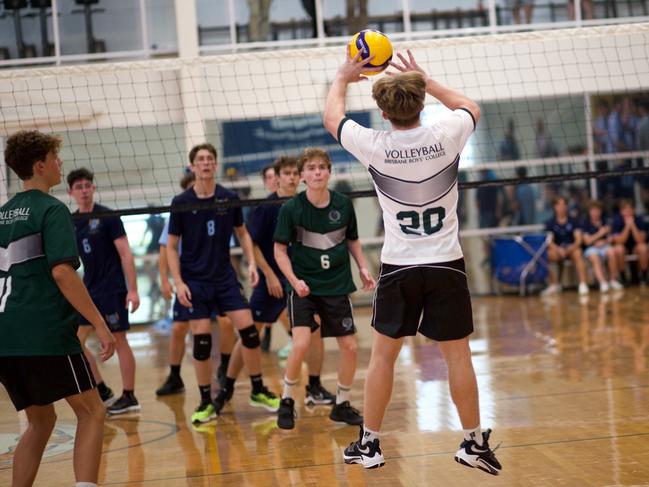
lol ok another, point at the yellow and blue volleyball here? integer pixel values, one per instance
(372, 43)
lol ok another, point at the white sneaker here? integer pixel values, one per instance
(551, 289)
(604, 287)
(583, 288)
(615, 285)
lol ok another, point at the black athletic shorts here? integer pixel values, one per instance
(336, 316)
(42, 380)
(439, 291)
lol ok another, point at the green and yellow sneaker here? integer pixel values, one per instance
(265, 399)
(204, 412)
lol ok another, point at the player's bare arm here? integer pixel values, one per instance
(450, 98)
(72, 287)
(163, 269)
(173, 259)
(272, 281)
(355, 249)
(248, 252)
(128, 264)
(350, 72)
(284, 264)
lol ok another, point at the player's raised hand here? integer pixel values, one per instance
(274, 286)
(106, 342)
(184, 295)
(353, 68)
(132, 301)
(368, 281)
(253, 275)
(302, 289)
(407, 64)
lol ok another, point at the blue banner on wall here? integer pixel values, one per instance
(252, 144)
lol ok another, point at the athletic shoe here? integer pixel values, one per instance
(283, 352)
(368, 455)
(265, 340)
(125, 404)
(108, 397)
(604, 287)
(318, 396)
(583, 288)
(173, 385)
(615, 285)
(204, 413)
(286, 414)
(222, 397)
(551, 289)
(482, 457)
(345, 413)
(265, 399)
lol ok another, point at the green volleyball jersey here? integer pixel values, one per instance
(36, 233)
(317, 239)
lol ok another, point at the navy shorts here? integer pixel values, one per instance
(113, 308)
(180, 313)
(208, 297)
(266, 308)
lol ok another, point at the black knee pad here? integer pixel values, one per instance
(202, 346)
(250, 337)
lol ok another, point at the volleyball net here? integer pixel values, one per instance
(565, 108)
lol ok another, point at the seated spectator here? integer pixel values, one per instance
(565, 244)
(597, 238)
(630, 237)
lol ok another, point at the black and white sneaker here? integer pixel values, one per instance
(318, 396)
(473, 455)
(107, 396)
(345, 413)
(125, 404)
(368, 455)
(173, 385)
(286, 414)
(222, 397)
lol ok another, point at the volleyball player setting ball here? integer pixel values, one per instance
(422, 286)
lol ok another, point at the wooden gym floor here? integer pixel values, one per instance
(563, 383)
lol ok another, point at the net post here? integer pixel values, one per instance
(590, 144)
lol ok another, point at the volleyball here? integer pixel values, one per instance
(372, 43)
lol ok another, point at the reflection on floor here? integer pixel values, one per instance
(563, 383)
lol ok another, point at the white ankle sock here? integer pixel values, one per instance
(342, 393)
(288, 387)
(85, 484)
(369, 435)
(474, 434)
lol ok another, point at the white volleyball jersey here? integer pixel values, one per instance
(415, 175)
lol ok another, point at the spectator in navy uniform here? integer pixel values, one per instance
(630, 237)
(565, 244)
(597, 240)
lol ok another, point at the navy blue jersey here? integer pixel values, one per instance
(102, 267)
(563, 234)
(205, 235)
(262, 228)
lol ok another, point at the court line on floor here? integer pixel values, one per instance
(394, 458)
